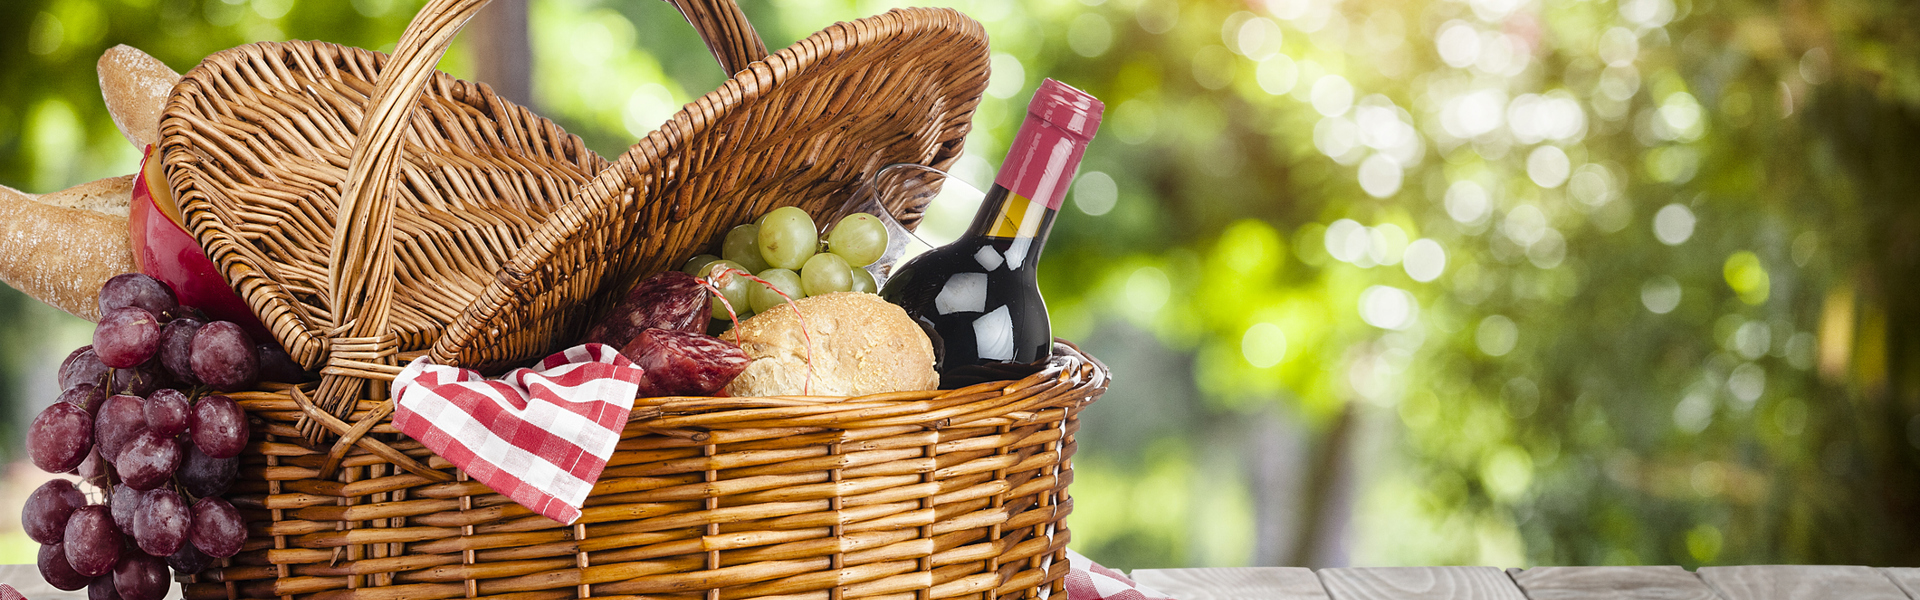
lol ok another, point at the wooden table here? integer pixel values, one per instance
(1793, 582)
(1444, 583)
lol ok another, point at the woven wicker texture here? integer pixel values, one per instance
(257, 142)
(907, 496)
(368, 208)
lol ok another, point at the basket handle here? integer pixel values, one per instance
(360, 280)
(726, 31)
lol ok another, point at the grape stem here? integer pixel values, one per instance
(806, 334)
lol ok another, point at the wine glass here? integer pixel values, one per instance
(948, 205)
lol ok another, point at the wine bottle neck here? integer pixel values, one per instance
(1029, 188)
(1041, 162)
(1014, 225)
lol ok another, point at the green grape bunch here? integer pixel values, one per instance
(786, 252)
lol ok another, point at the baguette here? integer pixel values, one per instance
(61, 247)
(112, 196)
(136, 87)
(59, 251)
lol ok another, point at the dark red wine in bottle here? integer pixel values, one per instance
(978, 297)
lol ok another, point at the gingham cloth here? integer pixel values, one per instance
(1087, 580)
(540, 436)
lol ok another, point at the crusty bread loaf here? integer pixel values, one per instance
(861, 345)
(61, 255)
(110, 196)
(136, 87)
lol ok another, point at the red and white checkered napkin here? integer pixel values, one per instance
(1087, 580)
(540, 436)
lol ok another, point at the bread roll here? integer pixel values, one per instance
(136, 87)
(861, 345)
(60, 254)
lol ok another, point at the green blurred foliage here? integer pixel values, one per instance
(1504, 282)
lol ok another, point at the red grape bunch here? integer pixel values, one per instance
(141, 420)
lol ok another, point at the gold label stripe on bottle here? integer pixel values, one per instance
(1018, 218)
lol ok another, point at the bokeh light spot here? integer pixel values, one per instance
(1681, 118)
(272, 9)
(1264, 345)
(1089, 35)
(1704, 541)
(1672, 164)
(1214, 67)
(1332, 95)
(47, 34)
(1337, 138)
(1258, 38)
(1747, 277)
(1095, 193)
(1250, 247)
(1338, 239)
(1752, 340)
(372, 8)
(1009, 76)
(1277, 74)
(1467, 202)
(1458, 44)
(1380, 176)
(1496, 335)
(1148, 289)
(1507, 473)
(1815, 66)
(1660, 295)
(1548, 166)
(1289, 9)
(1619, 47)
(1673, 224)
(1473, 114)
(1425, 260)
(1592, 184)
(1388, 307)
(1385, 244)
(647, 107)
(1647, 13)
(1525, 224)
(1694, 412)
(1548, 251)
(1747, 382)
(1158, 16)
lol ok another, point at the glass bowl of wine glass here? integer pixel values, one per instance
(945, 206)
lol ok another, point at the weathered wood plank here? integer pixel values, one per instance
(1419, 583)
(1907, 578)
(1797, 582)
(1252, 583)
(1636, 583)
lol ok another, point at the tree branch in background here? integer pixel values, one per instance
(1326, 507)
(1278, 451)
(502, 51)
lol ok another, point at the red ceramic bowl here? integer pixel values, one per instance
(163, 249)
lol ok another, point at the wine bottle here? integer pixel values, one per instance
(978, 297)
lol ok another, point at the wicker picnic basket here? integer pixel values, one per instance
(371, 210)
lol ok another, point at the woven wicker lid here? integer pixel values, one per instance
(803, 127)
(257, 142)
